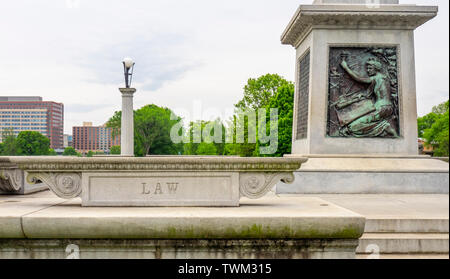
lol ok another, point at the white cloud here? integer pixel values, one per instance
(186, 50)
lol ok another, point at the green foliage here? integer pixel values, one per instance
(434, 127)
(152, 125)
(426, 122)
(70, 151)
(247, 148)
(52, 152)
(441, 108)
(284, 102)
(31, 143)
(213, 135)
(258, 92)
(115, 150)
(90, 154)
(9, 145)
(268, 91)
(206, 149)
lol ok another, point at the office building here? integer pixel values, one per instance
(19, 114)
(94, 138)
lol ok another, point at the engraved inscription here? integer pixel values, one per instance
(152, 189)
(303, 97)
(169, 188)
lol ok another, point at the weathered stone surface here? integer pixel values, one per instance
(12, 180)
(127, 122)
(161, 189)
(178, 249)
(159, 181)
(382, 174)
(266, 228)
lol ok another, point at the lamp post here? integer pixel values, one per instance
(127, 127)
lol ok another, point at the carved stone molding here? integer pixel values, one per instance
(78, 165)
(64, 185)
(11, 180)
(257, 185)
(354, 16)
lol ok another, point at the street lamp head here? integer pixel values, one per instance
(128, 62)
(128, 67)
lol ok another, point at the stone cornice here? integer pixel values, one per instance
(308, 17)
(235, 164)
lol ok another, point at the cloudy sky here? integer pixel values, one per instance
(191, 54)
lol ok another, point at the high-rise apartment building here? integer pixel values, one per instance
(33, 114)
(94, 138)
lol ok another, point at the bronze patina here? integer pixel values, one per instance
(363, 92)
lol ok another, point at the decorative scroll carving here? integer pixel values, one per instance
(363, 93)
(257, 185)
(64, 185)
(11, 180)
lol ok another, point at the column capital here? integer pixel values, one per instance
(127, 91)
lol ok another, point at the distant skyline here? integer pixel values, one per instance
(187, 52)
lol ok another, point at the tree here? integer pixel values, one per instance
(31, 143)
(212, 133)
(70, 151)
(434, 127)
(90, 154)
(206, 149)
(258, 92)
(115, 150)
(438, 135)
(284, 102)
(426, 122)
(9, 143)
(152, 126)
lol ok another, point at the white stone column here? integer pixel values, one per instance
(127, 127)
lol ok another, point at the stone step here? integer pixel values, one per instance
(404, 257)
(407, 225)
(404, 243)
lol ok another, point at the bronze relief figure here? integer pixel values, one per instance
(363, 93)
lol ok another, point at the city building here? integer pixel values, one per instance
(94, 138)
(33, 114)
(68, 141)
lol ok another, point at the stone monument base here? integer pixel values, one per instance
(369, 174)
(272, 227)
(156, 181)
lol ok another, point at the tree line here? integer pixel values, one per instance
(153, 125)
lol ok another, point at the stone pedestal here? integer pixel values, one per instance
(356, 94)
(159, 181)
(271, 228)
(127, 127)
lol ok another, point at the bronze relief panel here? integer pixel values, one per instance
(363, 92)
